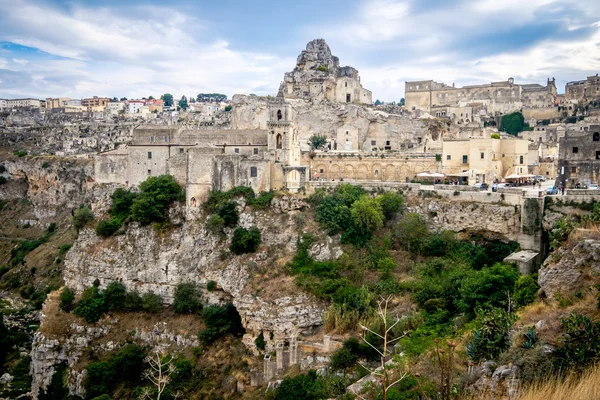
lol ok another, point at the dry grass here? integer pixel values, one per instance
(573, 387)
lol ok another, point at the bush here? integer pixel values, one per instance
(245, 240)
(107, 227)
(513, 123)
(57, 389)
(367, 214)
(260, 342)
(228, 213)
(156, 194)
(64, 248)
(122, 201)
(579, 346)
(491, 337)
(488, 287)
(115, 296)
(526, 289)
(215, 224)
(20, 153)
(82, 217)
(306, 387)
(3, 180)
(133, 301)
(391, 203)
(411, 232)
(67, 297)
(211, 285)
(220, 320)
(151, 303)
(187, 298)
(126, 365)
(343, 359)
(91, 305)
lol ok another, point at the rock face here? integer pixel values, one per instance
(571, 267)
(148, 262)
(317, 55)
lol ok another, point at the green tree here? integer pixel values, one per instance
(168, 99)
(489, 287)
(107, 227)
(579, 346)
(91, 305)
(67, 297)
(211, 97)
(156, 194)
(367, 213)
(183, 103)
(411, 232)
(245, 240)
(220, 320)
(526, 289)
(82, 217)
(317, 141)
(151, 302)
(513, 123)
(187, 298)
(491, 337)
(115, 296)
(391, 203)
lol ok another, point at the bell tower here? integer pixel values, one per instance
(283, 140)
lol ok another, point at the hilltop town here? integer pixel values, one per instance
(243, 244)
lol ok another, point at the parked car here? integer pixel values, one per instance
(551, 190)
(593, 186)
(497, 186)
(481, 186)
(541, 178)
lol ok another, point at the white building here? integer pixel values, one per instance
(34, 103)
(133, 106)
(3, 104)
(114, 107)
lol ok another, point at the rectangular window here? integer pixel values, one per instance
(321, 171)
(502, 155)
(520, 159)
(253, 172)
(573, 170)
(149, 172)
(448, 157)
(236, 150)
(166, 139)
(151, 139)
(575, 150)
(181, 150)
(387, 142)
(255, 151)
(482, 156)
(597, 155)
(465, 159)
(373, 143)
(149, 155)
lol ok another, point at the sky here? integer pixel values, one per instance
(53, 48)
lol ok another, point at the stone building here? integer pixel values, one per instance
(485, 160)
(95, 103)
(585, 90)
(318, 75)
(497, 97)
(579, 156)
(18, 103)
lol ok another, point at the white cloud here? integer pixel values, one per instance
(135, 52)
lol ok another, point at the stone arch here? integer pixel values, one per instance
(279, 115)
(596, 137)
(362, 172)
(279, 141)
(389, 173)
(404, 172)
(349, 172)
(376, 172)
(334, 172)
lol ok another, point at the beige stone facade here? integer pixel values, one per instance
(585, 90)
(485, 160)
(496, 97)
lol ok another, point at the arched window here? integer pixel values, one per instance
(596, 137)
(278, 141)
(279, 116)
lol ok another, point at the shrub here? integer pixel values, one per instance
(525, 290)
(64, 248)
(107, 227)
(513, 123)
(133, 301)
(220, 320)
(579, 346)
(495, 136)
(187, 298)
(317, 141)
(91, 305)
(343, 359)
(260, 342)
(229, 213)
(122, 201)
(391, 203)
(57, 389)
(367, 213)
(20, 153)
(307, 387)
(245, 240)
(151, 302)
(126, 365)
(487, 287)
(82, 217)
(3, 180)
(215, 224)
(411, 232)
(211, 285)
(115, 296)
(67, 297)
(491, 337)
(156, 194)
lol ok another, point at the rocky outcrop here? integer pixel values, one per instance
(572, 267)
